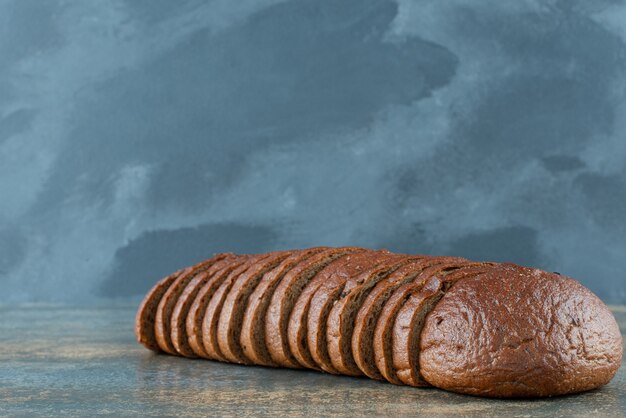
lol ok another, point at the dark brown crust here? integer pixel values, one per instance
(370, 310)
(144, 320)
(410, 320)
(341, 319)
(284, 298)
(253, 326)
(384, 325)
(195, 315)
(214, 308)
(166, 305)
(326, 294)
(231, 315)
(529, 333)
(297, 325)
(184, 302)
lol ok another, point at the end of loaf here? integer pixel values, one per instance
(519, 332)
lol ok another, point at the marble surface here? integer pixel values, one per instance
(80, 361)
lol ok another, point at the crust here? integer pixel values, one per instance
(214, 308)
(252, 338)
(370, 310)
(525, 332)
(384, 326)
(284, 298)
(297, 326)
(410, 320)
(144, 320)
(184, 302)
(166, 305)
(322, 301)
(197, 310)
(341, 319)
(231, 315)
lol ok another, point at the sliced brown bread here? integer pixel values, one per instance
(166, 305)
(284, 298)
(297, 325)
(184, 302)
(214, 308)
(322, 302)
(197, 310)
(370, 310)
(475, 328)
(341, 319)
(252, 337)
(144, 320)
(231, 315)
(410, 320)
(384, 325)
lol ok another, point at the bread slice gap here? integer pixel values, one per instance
(146, 314)
(166, 305)
(370, 310)
(252, 339)
(382, 340)
(231, 315)
(410, 320)
(284, 298)
(195, 316)
(178, 327)
(322, 301)
(341, 319)
(214, 308)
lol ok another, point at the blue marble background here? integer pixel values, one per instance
(139, 136)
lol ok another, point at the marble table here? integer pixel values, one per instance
(84, 361)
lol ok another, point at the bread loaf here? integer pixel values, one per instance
(486, 329)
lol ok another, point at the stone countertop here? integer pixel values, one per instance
(78, 361)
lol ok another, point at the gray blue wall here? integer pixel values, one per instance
(137, 137)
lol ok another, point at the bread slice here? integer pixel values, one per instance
(284, 298)
(166, 305)
(184, 302)
(297, 326)
(519, 332)
(341, 319)
(231, 315)
(410, 320)
(384, 326)
(144, 320)
(324, 297)
(252, 339)
(197, 310)
(370, 310)
(215, 305)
